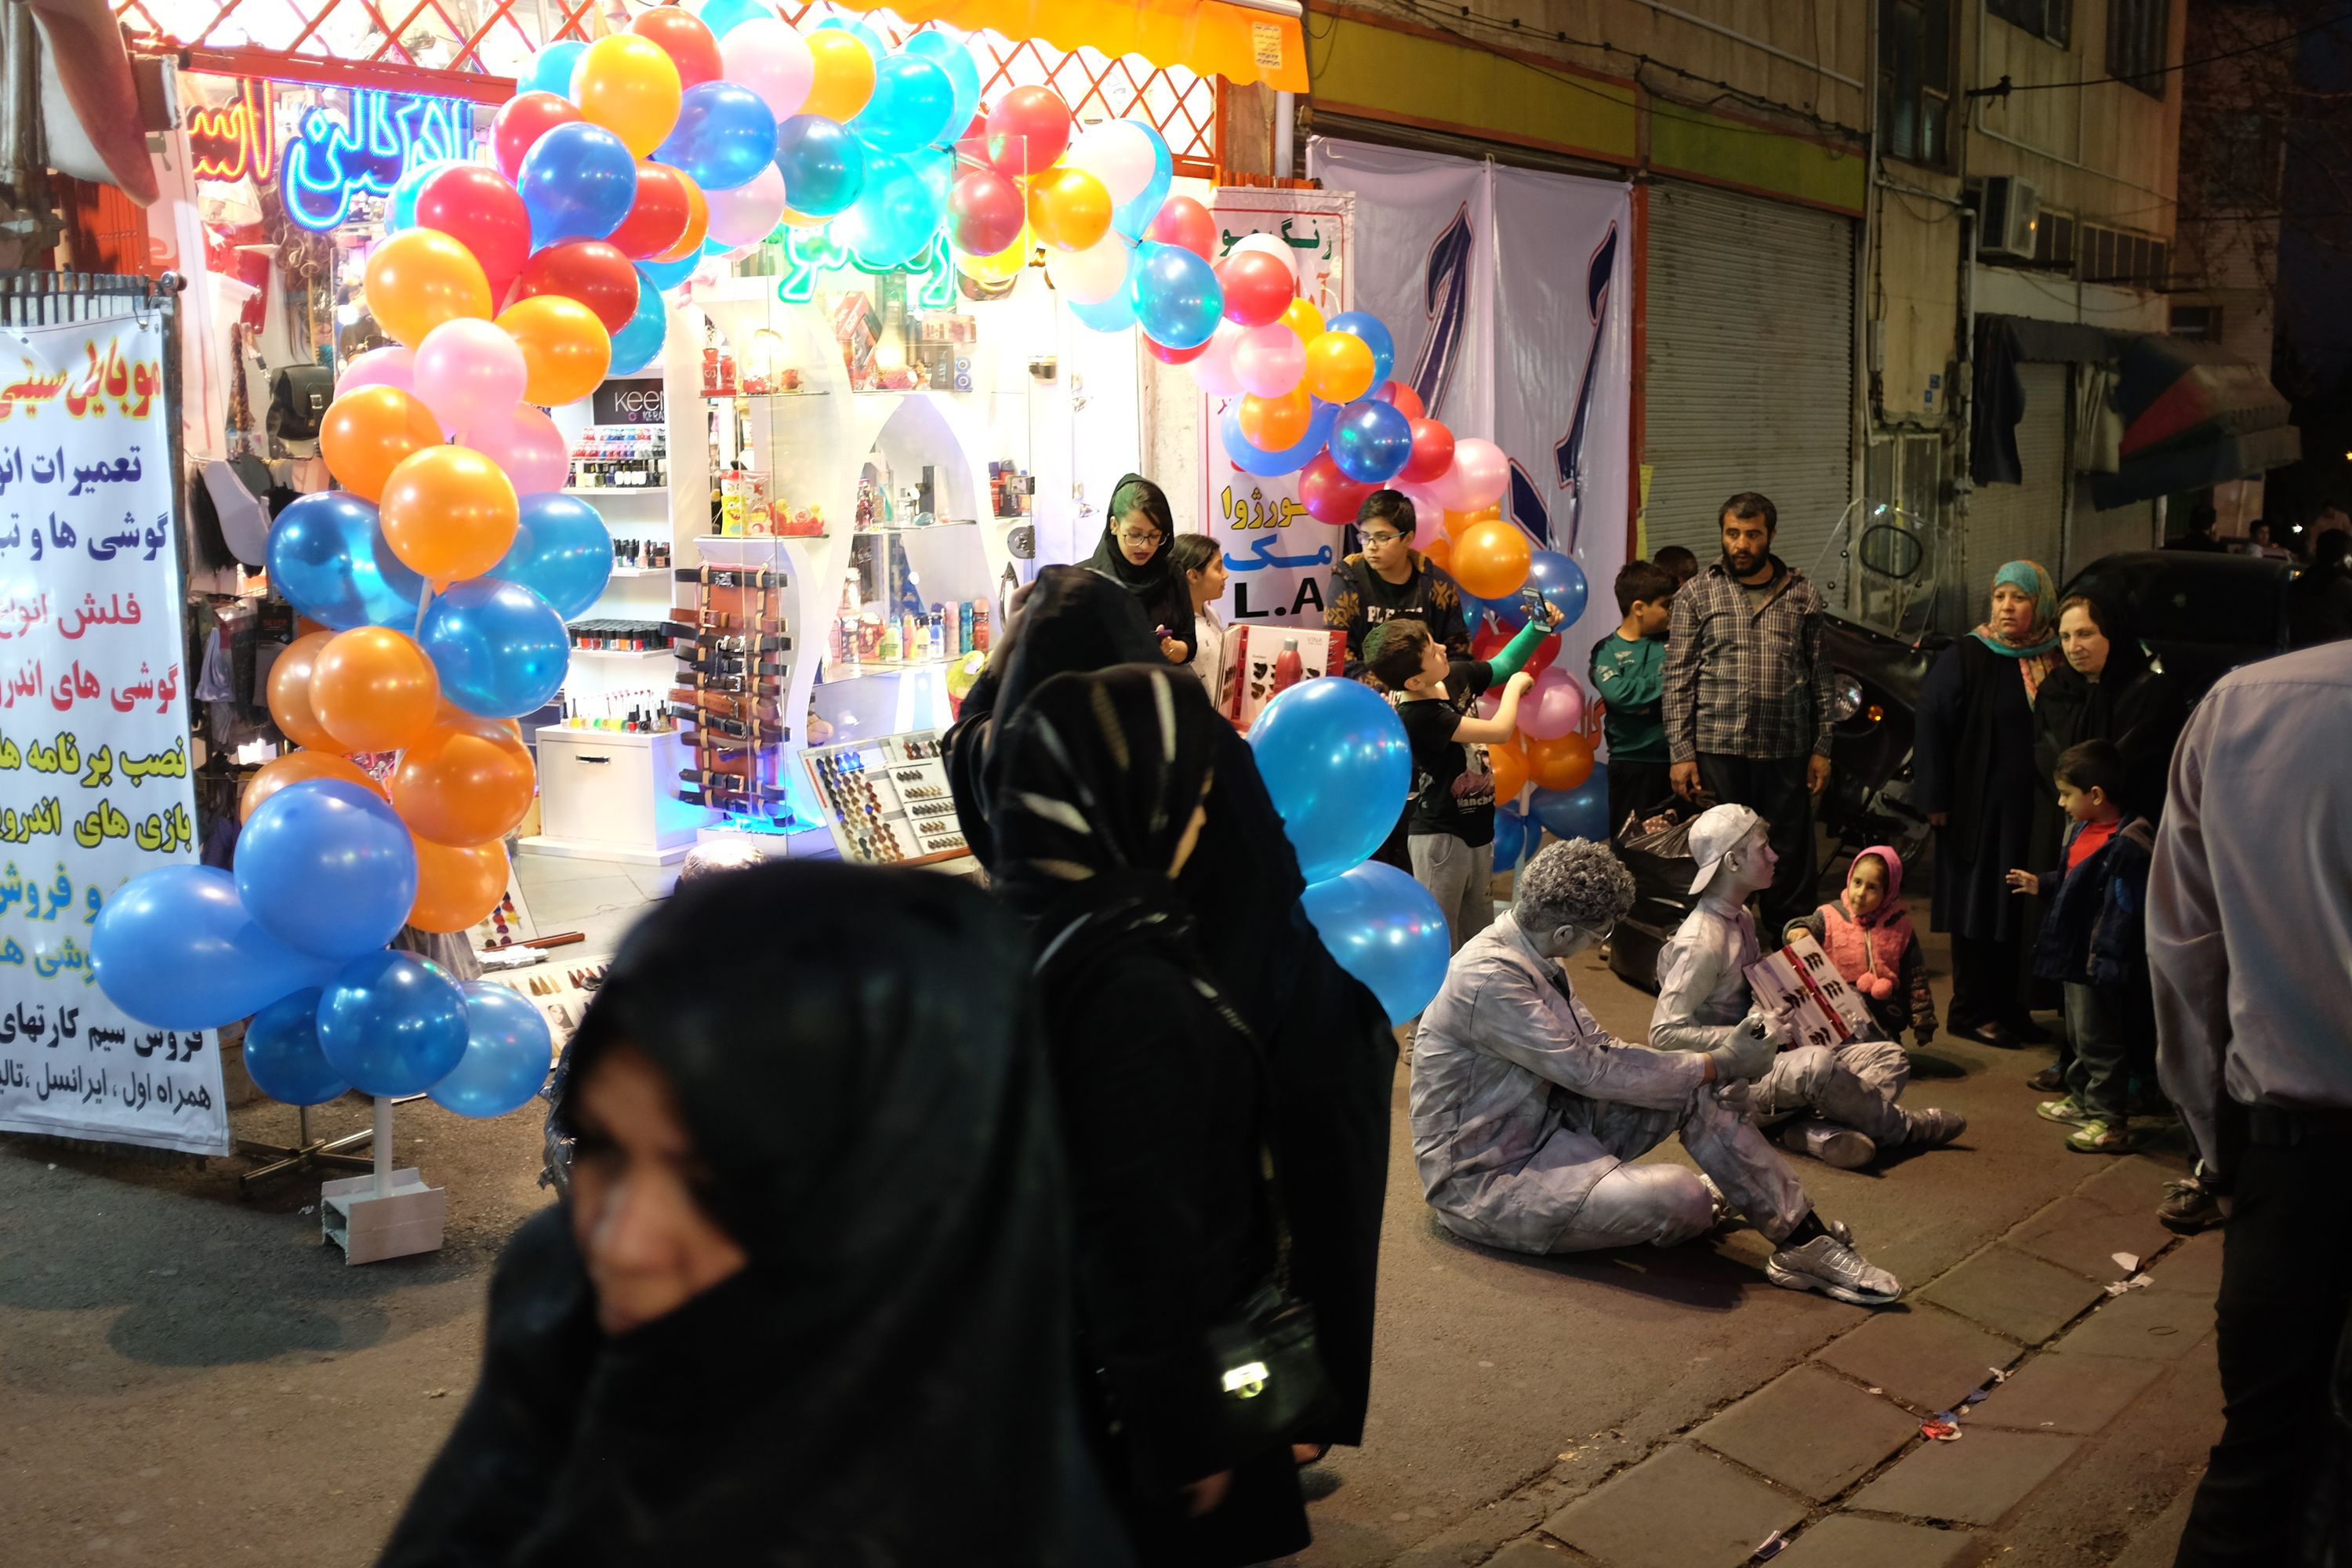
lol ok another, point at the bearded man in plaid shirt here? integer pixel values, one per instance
(1747, 695)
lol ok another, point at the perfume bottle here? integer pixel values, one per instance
(1287, 668)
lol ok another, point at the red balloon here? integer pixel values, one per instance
(1258, 289)
(1328, 495)
(1406, 401)
(1432, 452)
(1167, 355)
(1184, 222)
(590, 271)
(985, 210)
(480, 209)
(656, 220)
(1027, 130)
(1490, 641)
(523, 119)
(688, 42)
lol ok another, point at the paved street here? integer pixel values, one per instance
(189, 1378)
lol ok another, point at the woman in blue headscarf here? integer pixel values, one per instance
(1977, 781)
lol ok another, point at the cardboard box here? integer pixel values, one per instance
(1800, 980)
(1255, 652)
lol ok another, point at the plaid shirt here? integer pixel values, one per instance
(1747, 683)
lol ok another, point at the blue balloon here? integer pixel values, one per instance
(562, 552)
(894, 216)
(506, 1054)
(327, 868)
(1386, 930)
(639, 341)
(1116, 314)
(913, 106)
(282, 1054)
(953, 56)
(578, 182)
(1252, 460)
(1174, 295)
(723, 16)
(724, 136)
(176, 949)
(1563, 584)
(663, 276)
(862, 31)
(1371, 441)
(1133, 217)
(501, 650)
(1336, 762)
(550, 70)
(328, 557)
(392, 1024)
(823, 164)
(1579, 813)
(1375, 333)
(400, 207)
(1510, 837)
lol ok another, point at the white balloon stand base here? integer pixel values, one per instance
(386, 1214)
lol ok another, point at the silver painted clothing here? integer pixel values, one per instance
(1524, 1112)
(1703, 992)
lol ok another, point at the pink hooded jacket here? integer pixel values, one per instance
(1869, 952)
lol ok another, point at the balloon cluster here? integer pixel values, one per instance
(1336, 766)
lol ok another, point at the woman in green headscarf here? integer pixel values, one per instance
(1973, 767)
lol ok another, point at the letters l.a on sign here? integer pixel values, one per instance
(633, 401)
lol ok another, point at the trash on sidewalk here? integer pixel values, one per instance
(1769, 1547)
(1942, 1426)
(2126, 1261)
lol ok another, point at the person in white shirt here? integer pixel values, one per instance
(1196, 558)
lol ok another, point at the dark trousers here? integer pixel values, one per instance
(1774, 788)
(2286, 1286)
(2097, 1064)
(1985, 981)
(1636, 786)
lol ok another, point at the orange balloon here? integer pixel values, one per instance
(844, 75)
(1277, 424)
(697, 220)
(1510, 766)
(1441, 551)
(1563, 763)
(421, 278)
(368, 431)
(449, 513)
(296, 767)
(1490, 562)
(374, 689)
(1456, 521)
(1302, 316)
(1339, 367)
(565, 349)
(289, 695)
(629, 86)
(456, 887)
(463, 784)
(1069, 208)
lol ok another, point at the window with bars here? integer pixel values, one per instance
(2050, 19)
(2112, 256)
(2137, 34)
(1915, 79)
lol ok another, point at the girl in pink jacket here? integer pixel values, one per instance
(1867, 935)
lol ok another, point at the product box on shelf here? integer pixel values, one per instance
(1268, 660)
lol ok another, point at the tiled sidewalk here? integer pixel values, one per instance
(1831, 1452)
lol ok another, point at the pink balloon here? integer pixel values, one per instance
(1269, 359)
(1480, 474)
(470, 373)
(1213, 371)
(767, 56)
(527, 446)
(1491, 703)
(1429, 525)
(391, 366)
(1554, 707)
(745, 214)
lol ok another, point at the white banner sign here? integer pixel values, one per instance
(94, 785)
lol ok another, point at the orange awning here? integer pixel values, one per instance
(1240, 40)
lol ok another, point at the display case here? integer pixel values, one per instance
(886, 801)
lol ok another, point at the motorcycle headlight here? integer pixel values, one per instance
(1845, 696)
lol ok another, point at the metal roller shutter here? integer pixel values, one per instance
(1749, 375)
(2024, 521)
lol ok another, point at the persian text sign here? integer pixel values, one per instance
(94, 785)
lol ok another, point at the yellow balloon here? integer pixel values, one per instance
(1006, 263)
(1069, 208)
(844, 75)
(421, 278)
(630, 86)
(565, 349)
(1339, 367)
(1302, 317)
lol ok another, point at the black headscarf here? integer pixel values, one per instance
(854, 1052)
(1161, 591)
(2132, 704)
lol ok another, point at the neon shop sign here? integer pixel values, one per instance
(237, 140)
(329, 163)
(809, 252)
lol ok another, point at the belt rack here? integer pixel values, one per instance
(732, 649)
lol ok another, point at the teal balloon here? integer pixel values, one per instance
(823, 164)
(663, 276)
(1132, 217)
(562, 552)
(1337, 764)
(392, 1024)
(400, 207)
(1174, 295)
(862, 31)
(1115, 314)
(1256, 460)
(1579, 813)
(639, 341)
(724, 136)
(953, 56)
(1374, 332)
(550, 70)
(501, 650)
(894, 216)
(327, 868)
(507, 1049)
(913, 106)
(176, 949)
(1386, 930)
(328, 557)
(723, 16)
(282, 1054)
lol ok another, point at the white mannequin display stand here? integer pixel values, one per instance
(386, 1214)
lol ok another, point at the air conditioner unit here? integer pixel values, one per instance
(2007, 211)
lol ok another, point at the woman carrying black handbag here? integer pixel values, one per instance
(1098, 790)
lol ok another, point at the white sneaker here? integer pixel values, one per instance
(1833, 1267)
(1829, 1143)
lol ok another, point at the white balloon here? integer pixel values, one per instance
(1120, 153)
(1273, 246)
(1213, 371)
(774, 62)
(746, 215)
(1093, 275)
